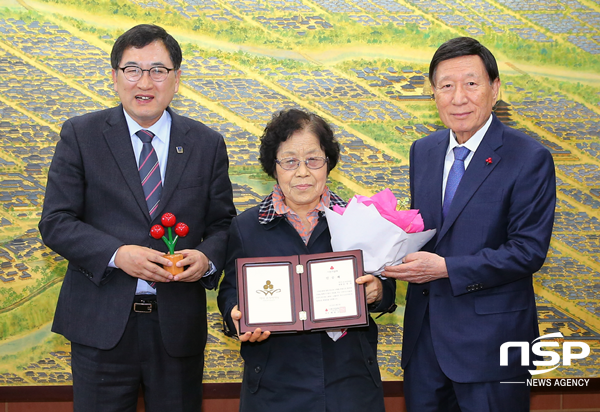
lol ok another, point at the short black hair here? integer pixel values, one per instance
(285, 123)
(463, 46)
(139, 37)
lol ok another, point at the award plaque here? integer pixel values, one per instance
(301, 292)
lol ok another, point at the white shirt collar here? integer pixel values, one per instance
(161, 129)
(473, 143)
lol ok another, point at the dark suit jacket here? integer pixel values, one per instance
(301, 371)
(95, 203)
(495, 236)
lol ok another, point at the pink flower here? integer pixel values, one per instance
(385, 202)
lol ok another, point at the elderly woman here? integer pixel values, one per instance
(306, 371)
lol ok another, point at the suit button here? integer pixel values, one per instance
(257, 369)
(425, 292)
(370, 361)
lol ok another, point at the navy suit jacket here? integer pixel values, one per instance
(94, 204)
(494, 238)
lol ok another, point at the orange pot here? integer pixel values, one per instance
(174, 270)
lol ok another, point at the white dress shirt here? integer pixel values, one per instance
(472, 144)
(160, 142)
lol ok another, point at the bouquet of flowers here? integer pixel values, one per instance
(373, 224)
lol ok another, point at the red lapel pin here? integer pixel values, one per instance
(488, 161)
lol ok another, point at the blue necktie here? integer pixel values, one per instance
(149, 171)
(456, 173)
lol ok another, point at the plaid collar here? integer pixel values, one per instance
(267, 213)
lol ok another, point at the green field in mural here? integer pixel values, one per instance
(362, 65)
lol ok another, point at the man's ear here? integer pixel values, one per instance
(114, 77)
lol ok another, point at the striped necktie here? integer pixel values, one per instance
(456, 173)
(149, 171)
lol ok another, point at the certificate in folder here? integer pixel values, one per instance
(301, 292)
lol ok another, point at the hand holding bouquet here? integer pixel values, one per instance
(373, 224)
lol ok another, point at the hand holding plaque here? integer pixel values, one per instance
(181, 230)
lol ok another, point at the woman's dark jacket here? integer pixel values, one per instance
(304, 371)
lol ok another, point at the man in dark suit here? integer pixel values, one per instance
(114, 174)
(471, 288)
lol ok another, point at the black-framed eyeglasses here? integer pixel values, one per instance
(291, 163)
(135, 73)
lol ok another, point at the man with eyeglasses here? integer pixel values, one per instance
(132, 324)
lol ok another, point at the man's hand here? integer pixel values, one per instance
(142, 262)
(197, 262)
(257, 336)
(419, 267)
(373, 288)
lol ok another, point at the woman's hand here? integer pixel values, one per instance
(373, 288)
(257, 336)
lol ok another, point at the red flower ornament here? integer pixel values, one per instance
(157, 231)
(168, 220)
(488, 161)
(181, 229)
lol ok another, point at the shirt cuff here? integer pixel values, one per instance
(212, 269)
(112, 264)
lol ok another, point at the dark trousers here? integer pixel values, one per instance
(428, 389)
(110, 380)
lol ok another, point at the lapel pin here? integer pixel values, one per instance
(488, 161)
(180, 150)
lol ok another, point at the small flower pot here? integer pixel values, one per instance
(174, 270)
